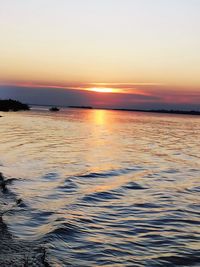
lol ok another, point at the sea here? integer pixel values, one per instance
(104, 188)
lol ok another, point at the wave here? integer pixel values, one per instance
(110, 173)
(183, 259)
(101, 196)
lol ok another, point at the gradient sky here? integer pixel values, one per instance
(146, 50)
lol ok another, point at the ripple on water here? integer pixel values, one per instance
(105, 188)
(64, 230)
(101, 196)
(134, 186)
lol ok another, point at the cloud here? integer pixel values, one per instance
(140, 96)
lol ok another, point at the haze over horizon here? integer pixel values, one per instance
(109, 53)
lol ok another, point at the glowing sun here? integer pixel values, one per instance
(102, 90)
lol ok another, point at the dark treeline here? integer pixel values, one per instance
(86, 107)
(12, 105)
(183, 112)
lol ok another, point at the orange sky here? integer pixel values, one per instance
(138, 47)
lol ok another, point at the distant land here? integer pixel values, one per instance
(14, 105)
(84, 107)
(165, 111)
(183, 112)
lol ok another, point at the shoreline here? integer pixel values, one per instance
(158, 111)
(13, 252)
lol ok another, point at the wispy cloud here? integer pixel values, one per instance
(125, 95)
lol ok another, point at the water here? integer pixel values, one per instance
(105, 188)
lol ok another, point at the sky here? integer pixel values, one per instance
(104, 53)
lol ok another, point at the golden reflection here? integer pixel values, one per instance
(102, 145)
(99, 116)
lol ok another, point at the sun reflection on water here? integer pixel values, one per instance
(98, 183)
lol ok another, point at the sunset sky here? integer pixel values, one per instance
(104, 53)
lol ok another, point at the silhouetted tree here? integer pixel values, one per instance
(12, 105)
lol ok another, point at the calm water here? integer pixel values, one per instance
(105, 188)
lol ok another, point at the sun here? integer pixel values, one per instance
(102, 90)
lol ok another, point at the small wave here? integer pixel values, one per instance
(63, 230)
(195, 189)
(134, 186)
(50, 176)
(11, 180)
(68, 186)
(175, 221)
(171, 171)
(85, 220)
(180, 260)
(101, 196)
(110, 173)
(148, 205)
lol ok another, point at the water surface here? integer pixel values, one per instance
(105, 188)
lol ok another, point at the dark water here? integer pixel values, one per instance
(105, 188)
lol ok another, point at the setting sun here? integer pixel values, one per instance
(94, 96)
(103, 90)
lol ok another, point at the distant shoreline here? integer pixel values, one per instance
(178, 112)
(13, 105)
(162, 111)
(82, 107)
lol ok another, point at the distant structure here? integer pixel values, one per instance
(12, 105)
(54, 109)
